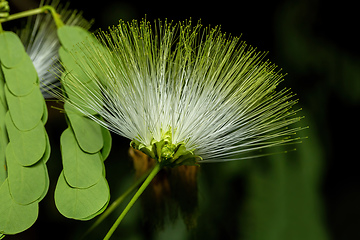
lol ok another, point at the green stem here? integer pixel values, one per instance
(147, 181)
(117, 202)
(59, 23)
(22, 14)
(28, 13)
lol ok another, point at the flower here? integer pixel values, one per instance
(183, 94)
(41, 42)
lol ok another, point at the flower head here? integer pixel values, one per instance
(182, 93)
(41, 42)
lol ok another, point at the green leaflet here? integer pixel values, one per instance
(47, 183)
(3, 143)
(15, 218)
(45, 114)
(81, 170)
(21, 83)
(47, 152)
(74, 71)
(69, 36)
(3, 134)
(12, 50)
(25, 111)
(105, 151)
(81, 203)
(88, 133)
(30, 145)
(2, 92)
(76, 98)
(98, 212)
(72, 66)
(26, 184)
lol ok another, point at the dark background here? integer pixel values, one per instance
(312, 193)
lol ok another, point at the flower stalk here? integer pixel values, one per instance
(142, 188)
(118, 201)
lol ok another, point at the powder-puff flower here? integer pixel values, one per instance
(41, 42)
(182, 93)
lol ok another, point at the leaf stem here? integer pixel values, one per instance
(59, 23)
(147, 181)
(117, 202)
(22, 14)
(31, 12)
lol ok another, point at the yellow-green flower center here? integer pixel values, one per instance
(167, 153)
